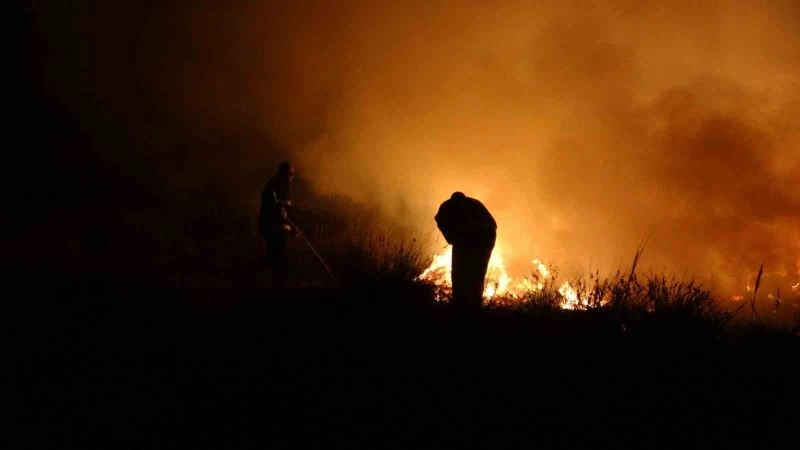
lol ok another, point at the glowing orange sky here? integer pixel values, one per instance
(583, 126)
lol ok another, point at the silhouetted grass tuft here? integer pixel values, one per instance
(370, 253)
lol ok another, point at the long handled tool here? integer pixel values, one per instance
(313, 250)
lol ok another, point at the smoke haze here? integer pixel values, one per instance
(584, 127)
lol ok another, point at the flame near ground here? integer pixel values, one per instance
(499, 284)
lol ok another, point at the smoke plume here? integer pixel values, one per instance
(585, 127)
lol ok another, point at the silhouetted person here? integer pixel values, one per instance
(469, 227)
(274, 224)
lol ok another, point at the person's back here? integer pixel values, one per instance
(463, 220)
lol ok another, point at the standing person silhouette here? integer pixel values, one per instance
(472, 231)
(274, 224)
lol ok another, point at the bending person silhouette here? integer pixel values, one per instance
(469, 227)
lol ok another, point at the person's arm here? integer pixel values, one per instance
(445, 224)
(271, 191)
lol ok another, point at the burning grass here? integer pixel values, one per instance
(372, 257)
(638, 304)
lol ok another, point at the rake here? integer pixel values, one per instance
(314, 251)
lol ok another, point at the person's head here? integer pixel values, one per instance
(286, 171)
(458, 196)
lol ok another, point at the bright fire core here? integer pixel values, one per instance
(498, 283)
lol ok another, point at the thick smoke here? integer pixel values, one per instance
(585, 127)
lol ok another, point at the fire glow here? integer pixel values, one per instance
(498, 282)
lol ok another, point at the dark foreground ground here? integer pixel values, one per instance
(367, 368)
(157, 342)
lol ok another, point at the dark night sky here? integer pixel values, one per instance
(85, 103)
(95, 122)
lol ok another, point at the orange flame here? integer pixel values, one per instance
(498, 282)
